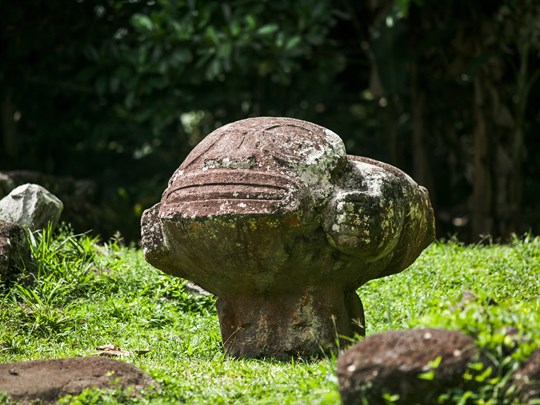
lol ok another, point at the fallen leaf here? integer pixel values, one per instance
(111, 350)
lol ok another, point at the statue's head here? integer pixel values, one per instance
(256, 167)
(281, 197)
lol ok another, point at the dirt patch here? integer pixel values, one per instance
(48, 380)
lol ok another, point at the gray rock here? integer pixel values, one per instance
(196, 290)
(273, 217)
(31, 206)
(417, 365)
(14, 250)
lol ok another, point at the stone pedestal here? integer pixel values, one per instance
(307, 322)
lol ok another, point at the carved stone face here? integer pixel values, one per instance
(273, 217)
(253, 167)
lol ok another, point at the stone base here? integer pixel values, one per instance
(290, 324)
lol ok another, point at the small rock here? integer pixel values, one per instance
(46, 381)
(79, 197)
(196, 290)
(31, 206)
(415, 364)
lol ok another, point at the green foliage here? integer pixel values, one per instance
(489, 292)
(91, 396)
(141, 65)
(78, 282)
(137, 84)
(84, 294)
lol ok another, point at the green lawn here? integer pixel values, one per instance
(88, 294)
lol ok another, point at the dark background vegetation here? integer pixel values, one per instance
(120, 91)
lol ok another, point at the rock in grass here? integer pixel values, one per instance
(77, 195)
(14, 250)
(416, 365)
(31, 206)
(46, 381)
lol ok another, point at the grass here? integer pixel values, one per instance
(83, 294)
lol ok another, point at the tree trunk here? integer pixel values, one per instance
(494, 170)
(482, 213)
(421, 169)
(518, 151)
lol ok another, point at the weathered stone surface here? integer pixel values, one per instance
(14, 250)
(272, 216)
(31, 206)
(393, 362)
(527, 379)
(46, 381)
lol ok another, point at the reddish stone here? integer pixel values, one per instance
(273, 217)
(416, 365)
(46, 381)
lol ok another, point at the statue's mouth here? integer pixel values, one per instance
(229, 192)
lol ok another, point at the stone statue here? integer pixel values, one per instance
(273, 217)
